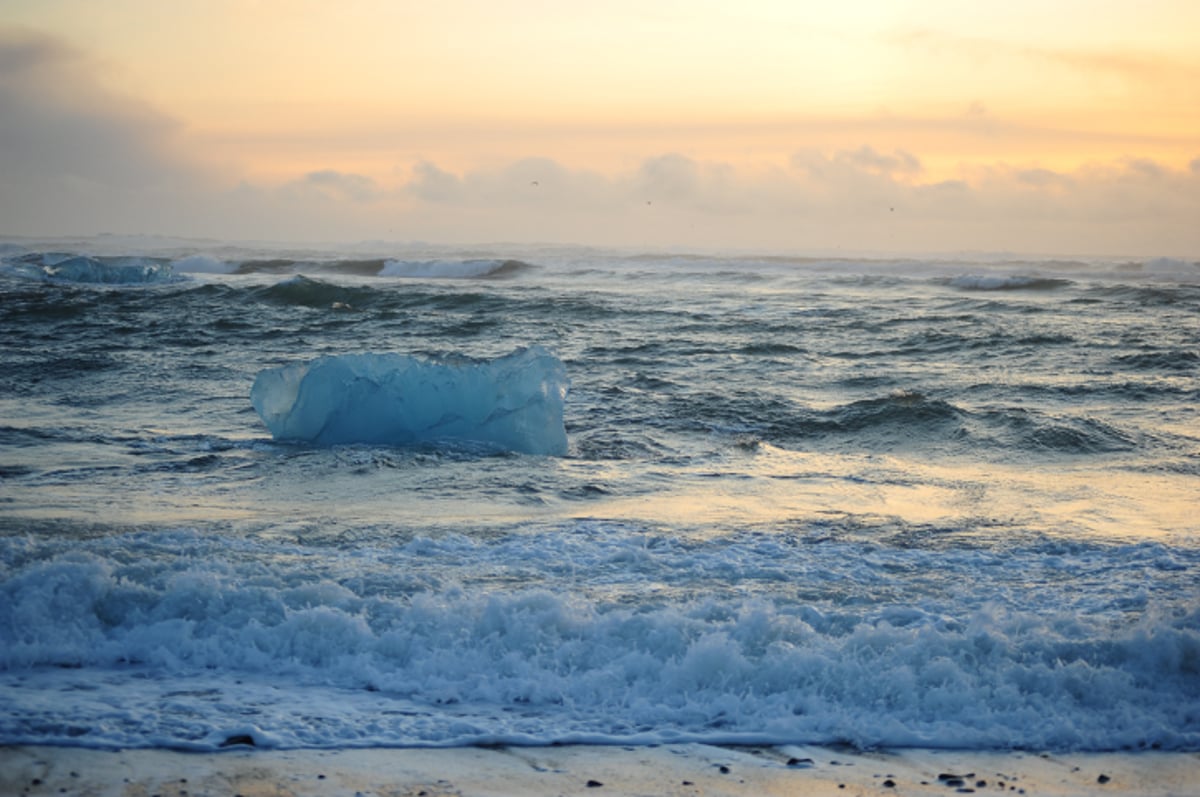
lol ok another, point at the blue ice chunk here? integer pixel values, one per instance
(514, 403)
(56, 267)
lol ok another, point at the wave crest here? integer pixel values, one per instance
(483, 268)
(454, 269)
(307, 292)
(1007, 282)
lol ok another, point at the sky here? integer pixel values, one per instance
(1056, 127)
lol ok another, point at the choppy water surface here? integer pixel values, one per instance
(902, 502)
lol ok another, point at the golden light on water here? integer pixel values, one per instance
(865, 492)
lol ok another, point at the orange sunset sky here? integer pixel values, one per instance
(1036, 126)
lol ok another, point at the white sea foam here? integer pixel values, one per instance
(186, 641)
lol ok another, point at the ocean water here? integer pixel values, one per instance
(642, 498)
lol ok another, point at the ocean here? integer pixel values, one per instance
(414, 495)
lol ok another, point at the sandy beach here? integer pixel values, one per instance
(689, 769)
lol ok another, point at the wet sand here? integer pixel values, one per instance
(686, 769)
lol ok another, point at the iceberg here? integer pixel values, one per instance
(56, 267)
(512, 403)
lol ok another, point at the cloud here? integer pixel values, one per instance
(78, 157)
(854, 199)
(331, 184)
(1039, 178)
(852, 177)
(867, 159)
(1127, 64)
(1139, 67)
(670, 177)
(22, 51)
(542, 185)
(60, 122)
(532, 182)
(433, 184)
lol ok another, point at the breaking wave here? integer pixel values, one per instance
(391, 658)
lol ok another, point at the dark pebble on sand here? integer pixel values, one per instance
(802, 763)
(724, 770)
(688, 783)
(889, 784)
(1103, 779)
(979, 784)
(594, 784)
